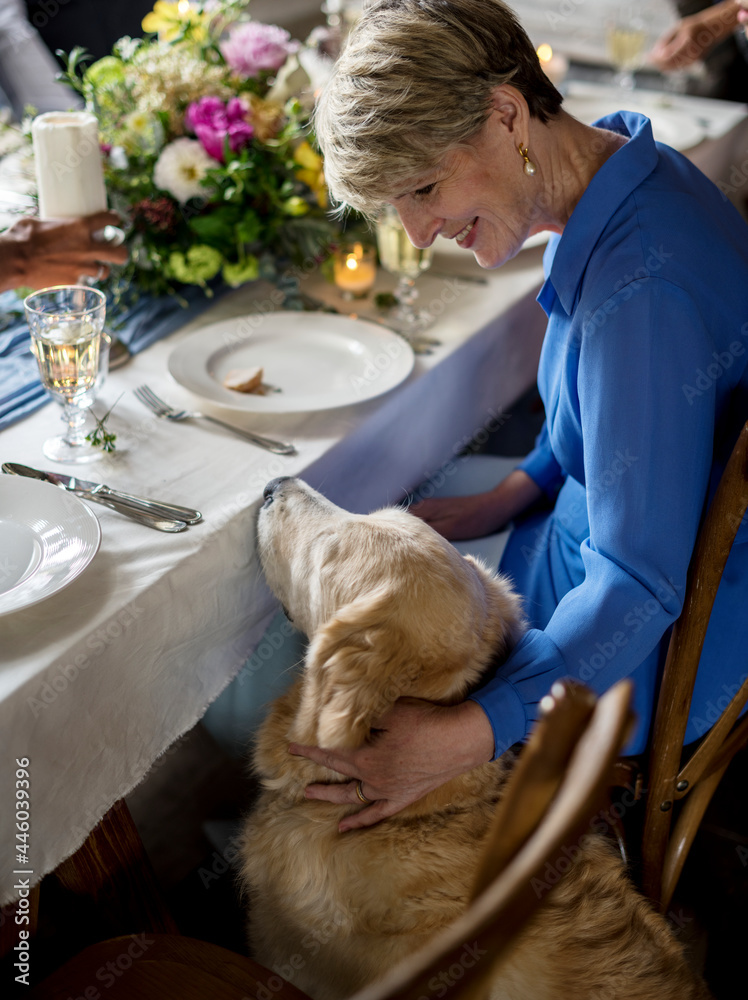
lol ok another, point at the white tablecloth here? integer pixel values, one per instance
(97, 681)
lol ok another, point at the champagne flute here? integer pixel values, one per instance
(398, 256)
(626, 41)
(65, 323)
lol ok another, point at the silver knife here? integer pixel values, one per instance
(98, 492)
(149, 520)
(135, 514)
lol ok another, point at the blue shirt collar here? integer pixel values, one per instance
(568, 255)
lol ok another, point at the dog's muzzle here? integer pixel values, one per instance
(270, 490)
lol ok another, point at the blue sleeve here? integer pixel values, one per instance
(541, 465)
(632, 377)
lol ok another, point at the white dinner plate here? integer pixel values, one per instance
(318, 361)
(47, 538)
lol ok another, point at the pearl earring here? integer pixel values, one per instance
(530, 167)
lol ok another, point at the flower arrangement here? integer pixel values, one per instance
(206, 156)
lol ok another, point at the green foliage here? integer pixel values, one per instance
(100, 437)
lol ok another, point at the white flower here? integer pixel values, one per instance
(291, 80)
(165, 78)
(126, 47)
(180, 168)
(118, 158)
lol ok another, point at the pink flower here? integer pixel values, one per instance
(212, 121)
(252, 47)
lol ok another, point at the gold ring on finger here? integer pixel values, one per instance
(360, 793)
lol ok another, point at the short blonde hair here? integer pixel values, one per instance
(413, 82)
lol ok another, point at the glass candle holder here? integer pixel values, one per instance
(354, 270)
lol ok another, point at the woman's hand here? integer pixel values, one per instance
(479, 514)
(458, 518)
(40, 253)
(417, 747)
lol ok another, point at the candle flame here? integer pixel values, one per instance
(545, 52)
(351, 263)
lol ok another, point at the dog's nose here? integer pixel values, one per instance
(273, 485)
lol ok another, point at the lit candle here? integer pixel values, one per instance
(354, 269)
(554, 66)
(69, 173)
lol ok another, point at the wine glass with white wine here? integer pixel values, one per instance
(626, 42)
(65, 323)
(398, 256)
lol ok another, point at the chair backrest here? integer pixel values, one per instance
(561, 780)
(663, 853)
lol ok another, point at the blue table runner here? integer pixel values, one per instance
(148, 320)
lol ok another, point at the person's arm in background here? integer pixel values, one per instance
(37, 254)
(693, 36)
(27, 68)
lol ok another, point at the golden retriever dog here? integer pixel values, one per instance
(392, 610)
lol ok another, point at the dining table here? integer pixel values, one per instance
(103, 675)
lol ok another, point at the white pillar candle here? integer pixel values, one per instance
(69, 174)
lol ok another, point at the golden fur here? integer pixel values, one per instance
(392, 610)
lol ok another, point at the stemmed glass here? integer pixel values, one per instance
(65, 323)
(398, 256)
(626, 41)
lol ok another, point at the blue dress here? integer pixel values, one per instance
(644, 379)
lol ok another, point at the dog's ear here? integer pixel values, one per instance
(357, 666)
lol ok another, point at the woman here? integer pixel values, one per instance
(440, 109)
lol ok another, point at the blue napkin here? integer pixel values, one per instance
(148, 320)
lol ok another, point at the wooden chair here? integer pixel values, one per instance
(665, 844)
(558, 784)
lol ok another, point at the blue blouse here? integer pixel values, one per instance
(645, 384)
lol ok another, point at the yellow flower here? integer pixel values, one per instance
(310, 172)
(171, 20)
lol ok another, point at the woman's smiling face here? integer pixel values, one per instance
(479, 195)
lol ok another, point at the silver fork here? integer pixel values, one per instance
(149, 398)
